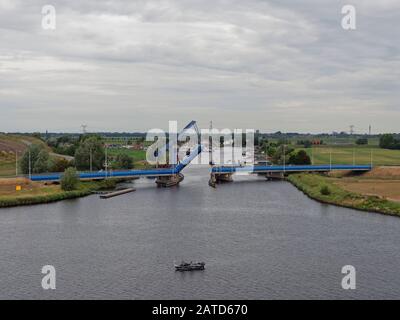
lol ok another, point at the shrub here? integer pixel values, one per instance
(299, 158)
(362, 141)
(69, 180)
(123, 161)
(325, 191)
(59, 164)
(107, 184)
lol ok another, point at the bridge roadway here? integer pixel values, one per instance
(215, 170)
(126, 174)
(289, 168)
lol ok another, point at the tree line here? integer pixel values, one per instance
(389, 141)
(88, 153)
(281, 152)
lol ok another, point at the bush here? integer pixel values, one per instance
(59, 164)
(362, 141)
(107, 184)
(299, 158)
(325, 191)
(69, 180)
(123, 161)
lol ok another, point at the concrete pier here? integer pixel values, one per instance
(169, 181)
(223, 177)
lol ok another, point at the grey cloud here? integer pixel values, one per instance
(133, 65)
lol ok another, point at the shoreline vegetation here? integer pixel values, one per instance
(344, 190)
(375, 191)
(370, 191)
(39, 193)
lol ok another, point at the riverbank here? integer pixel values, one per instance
(351, 191)
(38, 193)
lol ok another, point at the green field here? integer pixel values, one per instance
(356, 154)
(35, 193)
(312, 184)
(321, 155)
(136, 155)
(328, 140)
(9, 144)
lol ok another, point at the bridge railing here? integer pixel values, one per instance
(290, 168)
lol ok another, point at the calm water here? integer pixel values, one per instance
(260, 240)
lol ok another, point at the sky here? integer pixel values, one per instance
(133, 65)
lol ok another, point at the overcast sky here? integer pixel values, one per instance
(134, 65)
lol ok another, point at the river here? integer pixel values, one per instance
(259, 239)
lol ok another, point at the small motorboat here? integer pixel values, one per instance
(189, 266)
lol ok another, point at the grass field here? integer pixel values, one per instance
(369, 195)
(356, 154)
(38, 192)
(389, 189)
(9, 145)
(383, 182)
(329, 140)
(7, 167)
(320, 155)
(7, 188)
(136, 155)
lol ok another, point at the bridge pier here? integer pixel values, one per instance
(169, 181)
(223, 177)
(212, 182)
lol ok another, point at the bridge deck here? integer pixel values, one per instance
(280, 168)
(127, 173)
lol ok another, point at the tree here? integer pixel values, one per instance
(299, 158)
(34, 151)
(123, 161)
(325, 191)
(307, 144)
(362, 141)
(92, 145)
(69, 180)
(388, 141)
(278, 156)
(264, 144)
(271, 149)
(59, 164)
(42, 162)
